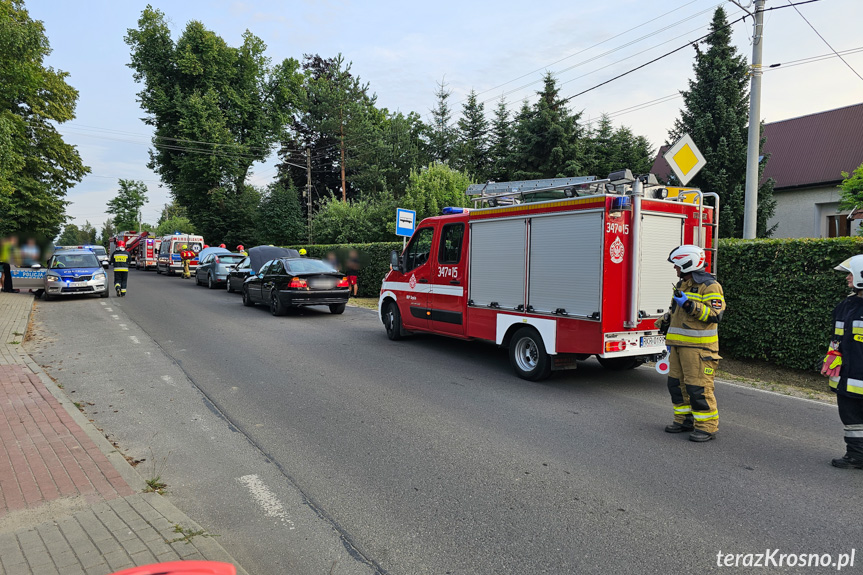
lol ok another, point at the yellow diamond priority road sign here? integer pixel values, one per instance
(685, 159)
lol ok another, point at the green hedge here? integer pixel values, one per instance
(374, 261)
(779, 296)
(779, 293)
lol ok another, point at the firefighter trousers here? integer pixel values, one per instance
(120, 279)
(186, 273)
(851, 414)
(690, 383)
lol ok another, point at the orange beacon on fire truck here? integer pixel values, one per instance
(556, 270)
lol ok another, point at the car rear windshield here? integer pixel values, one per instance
(61, 261)
(309, 266)
(99, 250)
(230, 258)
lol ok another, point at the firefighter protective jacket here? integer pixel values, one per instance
(848, 335)
(120, 260)
(695, 325)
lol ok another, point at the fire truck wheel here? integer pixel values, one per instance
(528, 356)
(618, 363)
(393, 321)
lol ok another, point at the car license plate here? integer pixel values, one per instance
(77, 284)
(652, 340)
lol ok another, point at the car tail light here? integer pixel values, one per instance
(343, 283)
(615, 346)
(298, 283)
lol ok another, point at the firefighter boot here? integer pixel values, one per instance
(846, 462)
(676, 427)
(699, 436)
(117, 289)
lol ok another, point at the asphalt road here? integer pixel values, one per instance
(312, 444)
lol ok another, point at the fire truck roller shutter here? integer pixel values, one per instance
(659, 235)
(566, 263)
(497, 262)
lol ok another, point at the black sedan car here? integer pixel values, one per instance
(253, 262)
(287, 283)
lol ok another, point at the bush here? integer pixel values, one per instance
(780, 295)
(374, 261)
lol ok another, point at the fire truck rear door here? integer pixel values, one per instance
(449, 281)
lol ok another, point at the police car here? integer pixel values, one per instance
(73, 272)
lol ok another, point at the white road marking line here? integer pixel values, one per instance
(169, 380)
(116, 316)
(134, 339)
(266, 499)
(103, 303)
(109, 309)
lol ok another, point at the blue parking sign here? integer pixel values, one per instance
(405, 222)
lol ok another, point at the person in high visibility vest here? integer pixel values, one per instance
(691, 323)
(844, 364)
(120, 263)
(187, 256)
(241, 250)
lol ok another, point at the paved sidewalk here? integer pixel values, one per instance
(69, 502)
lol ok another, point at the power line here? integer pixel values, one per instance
(657, 59)
(824, 40)
(598, 44)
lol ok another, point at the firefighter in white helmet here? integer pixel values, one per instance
(691, 323)
(844, 364)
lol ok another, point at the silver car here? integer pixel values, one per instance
(213, 268)
(74, 272)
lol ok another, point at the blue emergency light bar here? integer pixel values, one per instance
(447, 211)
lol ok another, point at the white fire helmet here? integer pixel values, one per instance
(688, 258)
(854, 266)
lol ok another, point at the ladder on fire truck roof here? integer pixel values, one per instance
(515, 192)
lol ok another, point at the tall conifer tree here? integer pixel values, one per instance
(716, 115)
(472, 145)
(500, 143)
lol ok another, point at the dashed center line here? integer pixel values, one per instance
(123, 325)
(134, 339)
(266, 499)
(109, 309)
(169, 380)
(116, 316)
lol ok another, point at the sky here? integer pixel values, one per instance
(405, 49)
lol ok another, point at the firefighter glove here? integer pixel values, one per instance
(681, 299)
(832, 364)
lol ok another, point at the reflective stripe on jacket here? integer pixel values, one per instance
(120, 260)
(848, 335)
(696, 326)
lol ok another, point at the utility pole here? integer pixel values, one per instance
(309, 190)
(750, 211)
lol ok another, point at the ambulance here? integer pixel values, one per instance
(555, 270)
(168, 261)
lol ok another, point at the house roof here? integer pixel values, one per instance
(807, 150)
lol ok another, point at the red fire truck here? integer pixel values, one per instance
(556, 270)
(147, 252)
(133, 240)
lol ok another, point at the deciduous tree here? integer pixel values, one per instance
(37, 167)
(126, 205)
(215, 109)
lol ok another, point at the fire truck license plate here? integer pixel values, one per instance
(652, 340)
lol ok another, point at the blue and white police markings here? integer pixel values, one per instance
(405, 222)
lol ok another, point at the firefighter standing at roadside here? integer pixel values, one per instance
(187, 256)
(696, 309)
(120, 263)
(844, 364)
